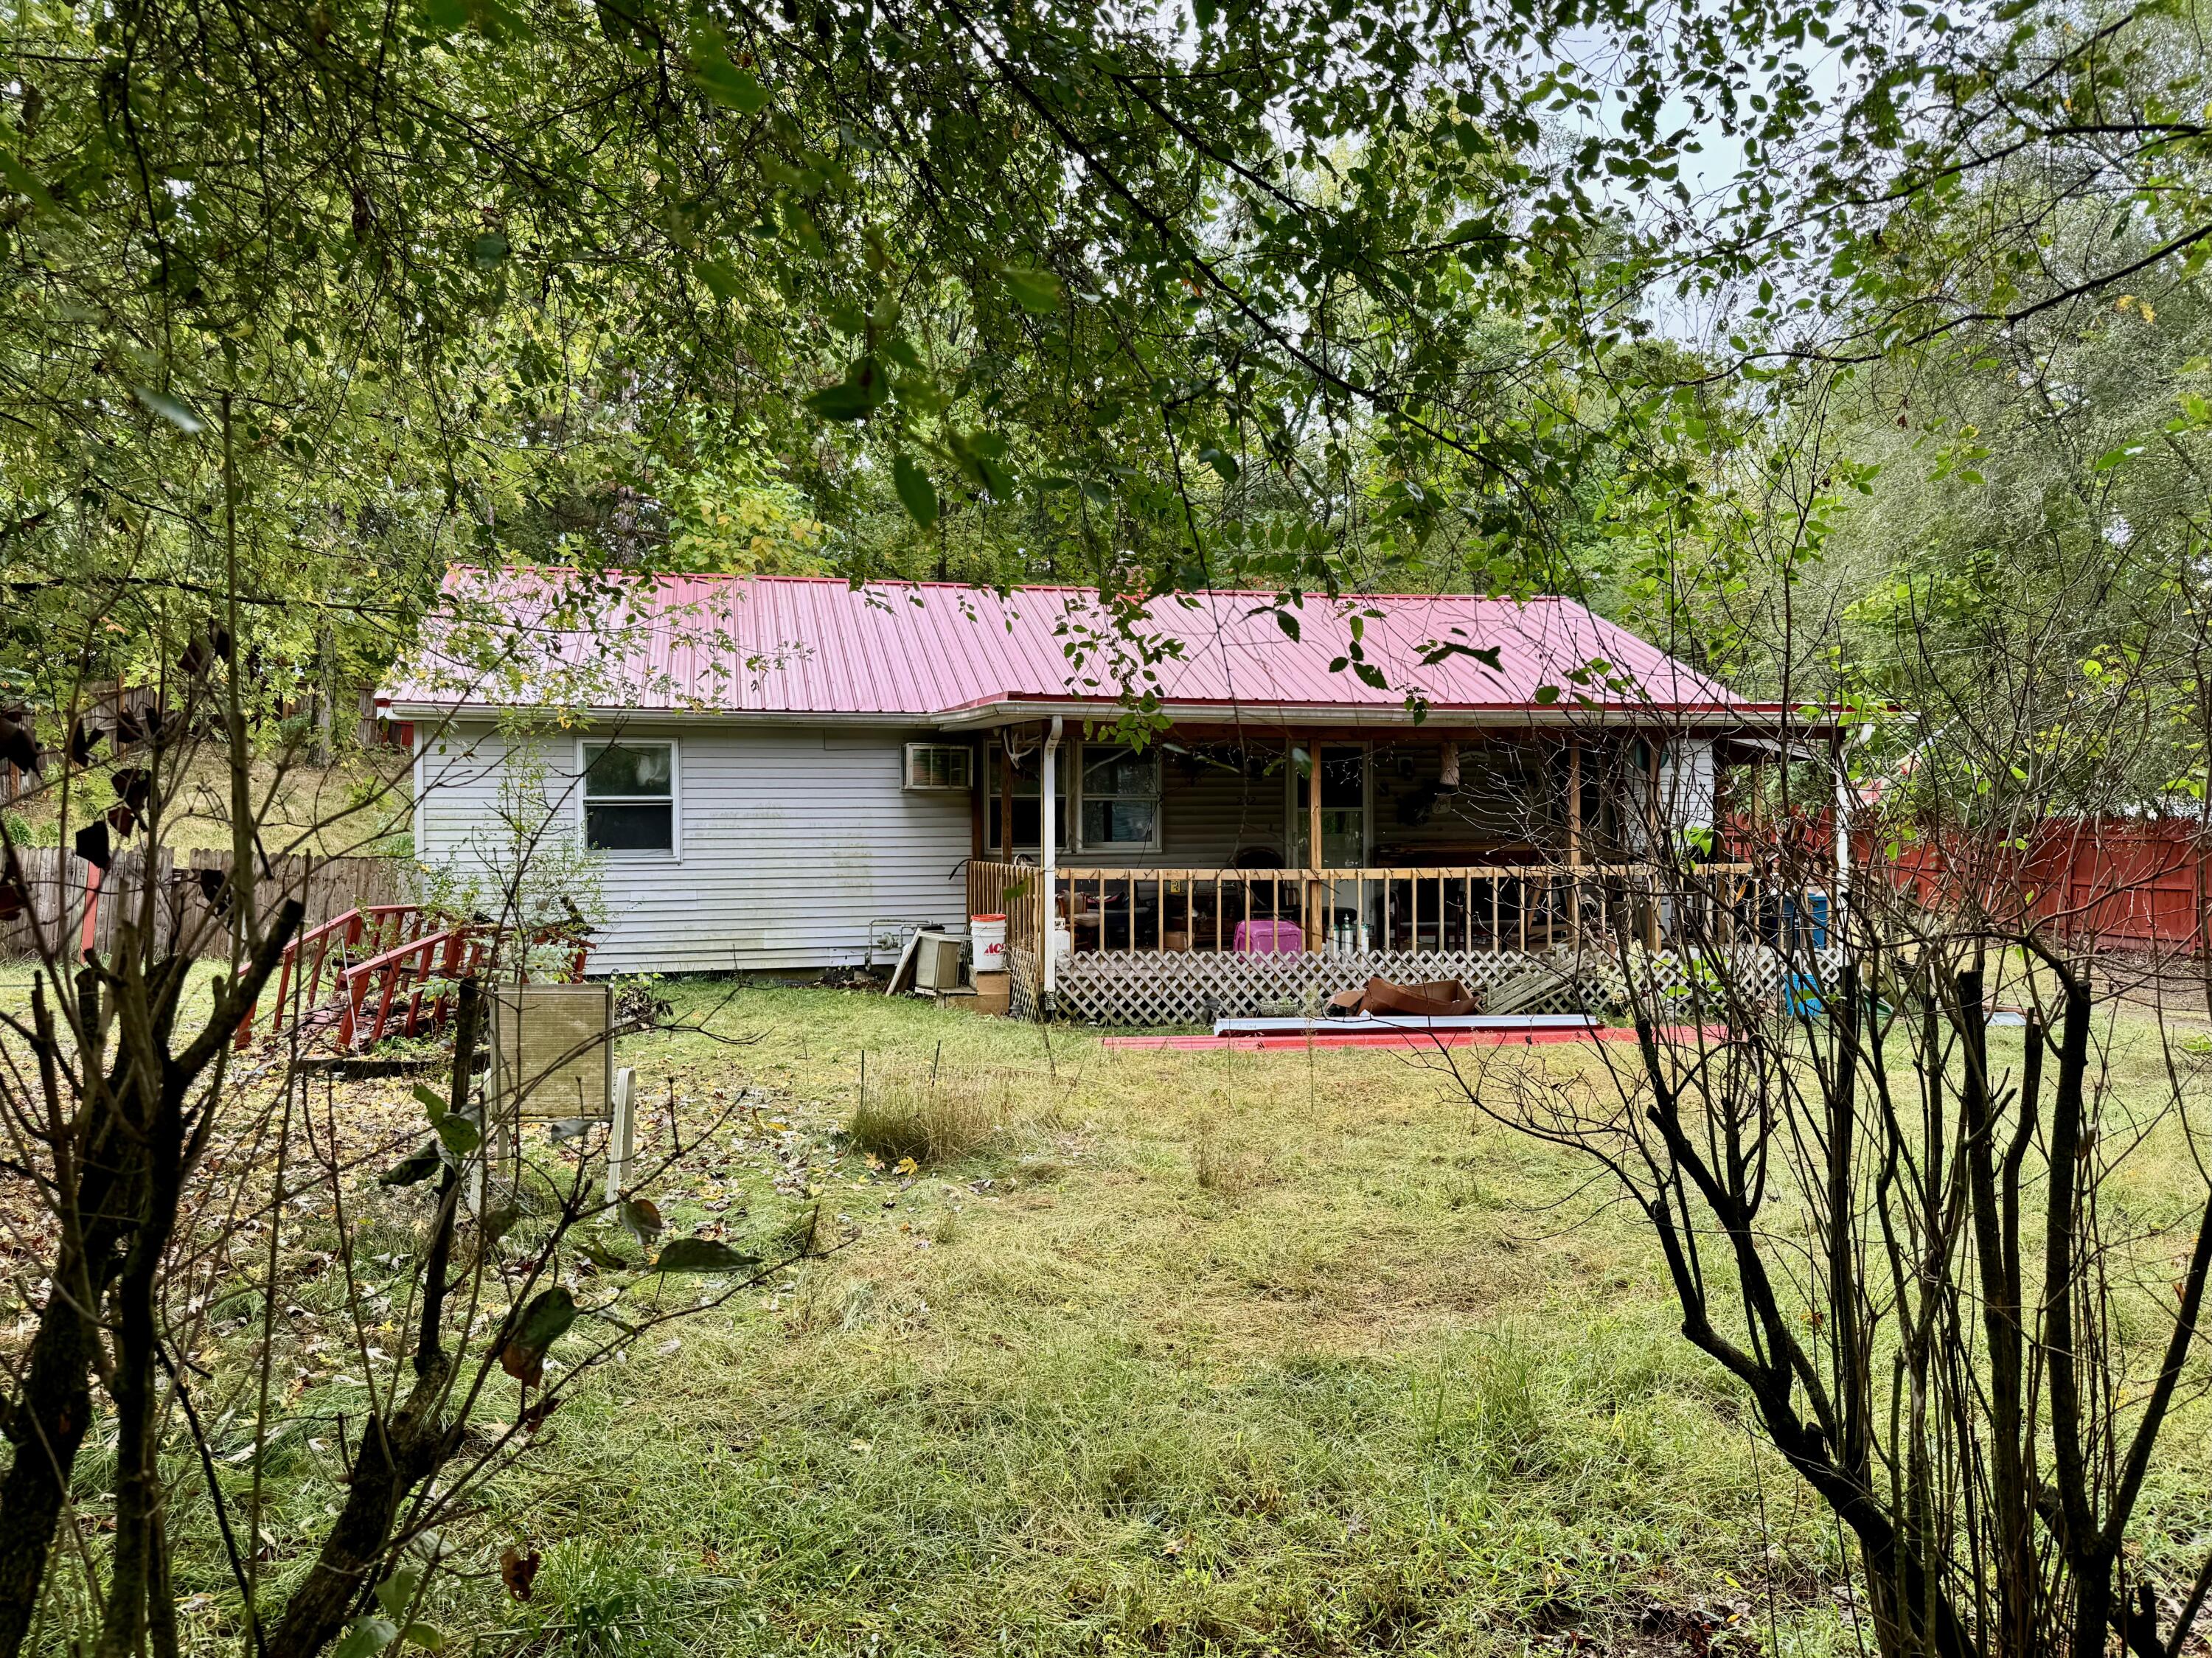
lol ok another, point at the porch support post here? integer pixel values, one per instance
(1314, 901)
(979, 804)
(1575, 839)
(1049, 846)
(1007, 796)
(1574, 801)
(1661, 838)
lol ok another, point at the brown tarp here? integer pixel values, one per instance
(1440, 998)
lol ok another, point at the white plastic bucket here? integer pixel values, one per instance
(987, 943)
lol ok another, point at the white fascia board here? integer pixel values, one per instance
(596, 716)
(1266, 716)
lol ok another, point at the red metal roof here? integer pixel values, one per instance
(791, 646)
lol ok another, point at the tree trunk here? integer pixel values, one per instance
(396, 1455)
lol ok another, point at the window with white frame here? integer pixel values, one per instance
(629, 795)
(1121, 798)
(940, 766)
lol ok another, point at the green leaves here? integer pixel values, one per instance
(703, 1255)
(371, 1633)
(486, 17)
(1442, 650)
(859, 394)
(915, 491)
(1036, 291)
(366, 1637)
(721, 277)
(981, 456)
(601, 1257)
(458, 1135)
(24, 182)
(162, 406)
(728, 84)
(530, 1336)
(418, 1166)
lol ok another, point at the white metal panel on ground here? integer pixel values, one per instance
(787, 844)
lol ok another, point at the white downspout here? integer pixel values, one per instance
(1048, 846)
(1844, 800)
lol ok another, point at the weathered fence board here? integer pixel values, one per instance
(56, 882)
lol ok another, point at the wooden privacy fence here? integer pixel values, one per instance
(60, 886)
(2106, 882)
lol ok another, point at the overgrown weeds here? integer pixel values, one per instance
(933, 1118)
(1222, 1163)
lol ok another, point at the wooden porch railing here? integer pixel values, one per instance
(1355, 911)
(1013, 890)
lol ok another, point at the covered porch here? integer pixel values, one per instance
(1204, 873)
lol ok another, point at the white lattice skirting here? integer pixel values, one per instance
(1121, 987)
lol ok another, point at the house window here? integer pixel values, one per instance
(1027, 818)
(946, 766)
(1121, 798)
(629, 796)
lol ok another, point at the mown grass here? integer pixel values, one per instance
(1151, 1351)
(1193, 1353)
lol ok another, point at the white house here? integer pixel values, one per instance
(768, 773)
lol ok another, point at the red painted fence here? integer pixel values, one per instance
(2114, 883)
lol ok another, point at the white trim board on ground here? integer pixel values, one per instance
(1409, 1022)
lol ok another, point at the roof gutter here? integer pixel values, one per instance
(1762, 717)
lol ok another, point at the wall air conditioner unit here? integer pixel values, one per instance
(945, 766)
(937, 963)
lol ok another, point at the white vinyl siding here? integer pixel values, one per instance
(794, 840)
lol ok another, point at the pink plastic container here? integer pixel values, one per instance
(1270, 938)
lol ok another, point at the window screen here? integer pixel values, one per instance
(1120, 797)
(629, 796)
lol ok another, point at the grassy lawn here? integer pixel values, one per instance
(1204, 1352)
(1193, 1353)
